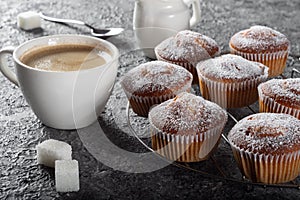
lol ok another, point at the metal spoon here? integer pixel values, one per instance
(107, 32)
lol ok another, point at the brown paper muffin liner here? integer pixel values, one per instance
(230, 95)
(267, 104)
(269, 169)
(276, 61)
(185, 148)
(190, 67)
(141, 105)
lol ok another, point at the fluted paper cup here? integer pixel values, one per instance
(185, 148)
(267, 104)
(142, 104)
(230, 95)
(269, 169)
(276, 61)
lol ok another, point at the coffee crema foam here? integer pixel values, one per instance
(65, 57)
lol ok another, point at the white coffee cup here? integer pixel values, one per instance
(63, 99)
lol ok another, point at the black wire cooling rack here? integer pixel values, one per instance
(221, 164)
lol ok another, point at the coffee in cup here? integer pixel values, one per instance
(65, 57)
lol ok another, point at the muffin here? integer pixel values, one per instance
(280, 96)
(264, 45)
(154, 82)
(266, 147)
(230, 80)
(186, 128)
(186, 49)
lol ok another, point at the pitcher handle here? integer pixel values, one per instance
(196, 11)
(4, 67)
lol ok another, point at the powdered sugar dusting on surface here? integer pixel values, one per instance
(231, 67)
(188, 46)
(187, 114)
(158, 75)
(267, 133)
(259, 39)
(283, 91)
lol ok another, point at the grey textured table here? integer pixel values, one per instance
(21, 131)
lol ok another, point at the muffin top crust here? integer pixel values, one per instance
(283, 91)
(259, 39)
(230, 68)
(187, 46)
(187, 114)
(156, 78)
(266, 133)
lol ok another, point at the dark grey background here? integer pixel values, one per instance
(21, 131)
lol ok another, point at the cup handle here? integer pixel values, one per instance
(4, 67)
(196, 11)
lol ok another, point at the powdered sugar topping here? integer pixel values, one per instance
(231, 67)
(156, 75)
(283, 91)
(267, 133)
(188, 46)
(259, 39)
(187, 114)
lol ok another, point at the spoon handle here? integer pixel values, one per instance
(95, 32)
(67, 21)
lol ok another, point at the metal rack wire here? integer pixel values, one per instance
(222, 176)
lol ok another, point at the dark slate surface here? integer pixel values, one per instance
(21, 131)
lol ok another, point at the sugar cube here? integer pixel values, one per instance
(51, 150)
(66, 176)
(28, 20)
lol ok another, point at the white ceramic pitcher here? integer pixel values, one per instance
(156, 20)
